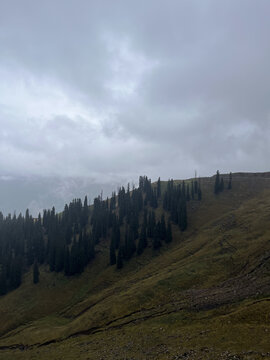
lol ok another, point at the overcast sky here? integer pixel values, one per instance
(114, 89)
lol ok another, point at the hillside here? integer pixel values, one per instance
(205, 295)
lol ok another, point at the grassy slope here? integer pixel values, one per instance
(206, 295)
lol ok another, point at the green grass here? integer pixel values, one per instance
(206, 293)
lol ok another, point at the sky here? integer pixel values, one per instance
(110, 90)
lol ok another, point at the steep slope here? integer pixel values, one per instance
(205, 295)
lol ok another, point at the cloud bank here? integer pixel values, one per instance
(111, 90)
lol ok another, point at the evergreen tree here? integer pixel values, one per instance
(195, 186)
(116, 234)
(217, 183)
(91, 249)
(182, 214)
(142, 243)
(131, 246)
(199, 194)
(59, 258)
(156, 238)
(16, 272)
(119, 263)
(168, 233)
(221, 185)
(188, 193)
(158, 188)
(3, 281)
(85, 212)
(230, 181)
(151, 224)
(112, 254)
(145, 214)
(67, 262)
(140, 246)
(35, 273)
(192, 190)
(73, 259)
(162, 228)
(52, 257)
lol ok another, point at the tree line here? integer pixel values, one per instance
(66, 242)
(219, 183)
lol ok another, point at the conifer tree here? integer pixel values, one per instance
(162, 228)
(156, 239)
(16, 272)
(91, 249)
(151, 224)
(131, 246)
(217, 183)
(85, 212)
(143, 235)
(199, 194)
(192, 190)
(119, 263)
(52, 257)
(158, 188)
(112, 254)
(188, 193)
(35, 273)
(168, 233)
(195, 186)
(140, 246)
(145, 214)
(142, 243)
(182, 214)
(221, 185)
(3, 281)
(67, 262)
(230, 181)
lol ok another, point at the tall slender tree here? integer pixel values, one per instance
(221, 185)
(230, 181)
(158, 188)
(119, 262)
(35, 272)
(168, 233)
(217, 183)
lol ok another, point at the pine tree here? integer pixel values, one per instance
(221, 185)
(217, 183)
(3, 281)
(156, 239)
(67, 262)
(230, 181)
(168, 233)
(182, 214)
(199, 194)
(188, 193)
(151, 224)
(192, 190)
(35, 273)
(162, 228)
(195, 186)
(52, 257)
(112, 254)
(131, 246)
(85, 211)
(142, 243)
(158, 188)
(16, 272)
(119, 263)
(92, 253)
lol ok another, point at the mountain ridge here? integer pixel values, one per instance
(214, 270)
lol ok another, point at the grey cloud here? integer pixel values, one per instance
(131, 87)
